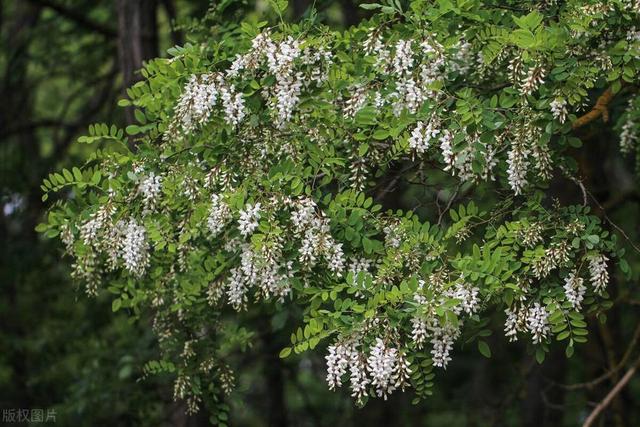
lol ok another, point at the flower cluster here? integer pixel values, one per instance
(219, 214)
(199, 99)
(628, 136)
(313, 229)
(249, 217)
(559, 109)
(150, 188)
(385, 368)
(421, 135)
(598, 271)
(135, 249)
(285, 60)
(574, 289)
(538, 322)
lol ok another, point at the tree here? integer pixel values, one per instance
(264, 158)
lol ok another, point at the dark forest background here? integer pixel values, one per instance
(64, 64)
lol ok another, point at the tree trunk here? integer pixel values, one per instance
(137, 40)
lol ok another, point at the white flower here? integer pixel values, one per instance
(447, 149)
(559, 109)
(150, 188)
(514, 323)
(89, 230)
(468, 297)
(249, 217)
(421, 135)
(403, 59)
(538, 323)
(237, 289)
(196, 102)
(574, 289)
(392, 236)
(356, 102)
(408, 96)
(628, 136)
(233, 104)
(303, 214)
(418, 331)
(381, 364)
(532, 80)
(219, 214)
(135, 249)
(358, 265)
(336, 258)
(598, 271)
(517, 169)
(337, 361)
(358, 376)
(442, 339)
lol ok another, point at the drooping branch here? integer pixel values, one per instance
(600, 109)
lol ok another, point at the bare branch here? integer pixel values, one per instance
(591, 384)
(600, 109)
(600, 407)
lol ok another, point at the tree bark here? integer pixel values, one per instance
(137, 40)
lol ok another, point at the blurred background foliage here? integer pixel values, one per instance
(64, 64)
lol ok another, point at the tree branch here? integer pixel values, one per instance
(76, 17)
(591, 384)
(600, 109)
(611, 395)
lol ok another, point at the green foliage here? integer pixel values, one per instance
(254, 180)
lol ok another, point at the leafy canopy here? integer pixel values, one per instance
(261, 167)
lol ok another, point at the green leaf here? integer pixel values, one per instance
(285, 352)
(484, 349)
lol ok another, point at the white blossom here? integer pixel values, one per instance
(421, 135)
(407, 96)
(135, 249)
(418, 331)
(515, 322)
(403, 58)
(219, 214)
(532, 79)
(150, 188)
(358, 265)
(538, 322)
(249, 217)
(196, 102)
(381, 365)
(559, 109)
(335, 258)
(628, 136)
(517, 167)
(338, 360)
(574, 289)
(598, 270)
(233, 104)
(468, 297)
(447, 150)
(442, 339)
(358, 376)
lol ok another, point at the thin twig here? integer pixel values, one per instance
(611, 395)
(604, 214)
(449, 203)
(591, 384)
